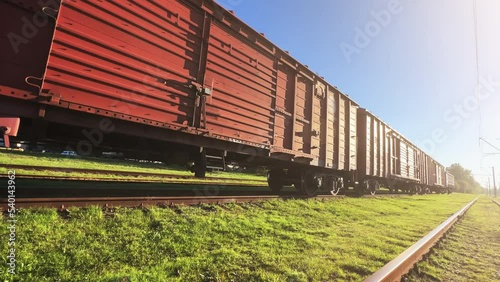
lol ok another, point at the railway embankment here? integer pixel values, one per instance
(279, 240)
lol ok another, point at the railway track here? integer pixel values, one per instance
(145, 201)
(177, 180)
(140, 201)
(404, 263)
(125, 176)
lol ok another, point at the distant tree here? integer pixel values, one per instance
(464, 181)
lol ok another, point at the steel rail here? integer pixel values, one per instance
(113, 172)
(179, 180)
(401, 265)
(147, 201)
(495, 202)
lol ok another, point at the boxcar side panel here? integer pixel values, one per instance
(450, 180)
(411, 162)
(403, 156)
(243, 87)
(374, 146)
(346, 138)
(22, 58)
(363, 157)
(331, 131)
(284, 107)
(342, 135)
(319, 124)
(441, 174)
(433, 172)
(353, 146)
(134, 59)
(368, 144)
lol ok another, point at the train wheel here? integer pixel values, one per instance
(308, 184)
(275, 180)
(374, 186)
(411, 190)
(362, 187)
(336, 185)
(418, 190)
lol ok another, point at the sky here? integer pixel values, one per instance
(412, 63)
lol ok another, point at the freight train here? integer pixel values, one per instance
(186, 80)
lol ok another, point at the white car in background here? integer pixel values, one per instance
(69, 153)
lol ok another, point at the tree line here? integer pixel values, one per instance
(464, 181)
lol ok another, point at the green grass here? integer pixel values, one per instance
(54, 160)
(293, 240)
(124, 178)
(471, 252)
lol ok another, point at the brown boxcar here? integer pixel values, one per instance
(437, 176)
(450, 181)
(186, 72)
(386, 158)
